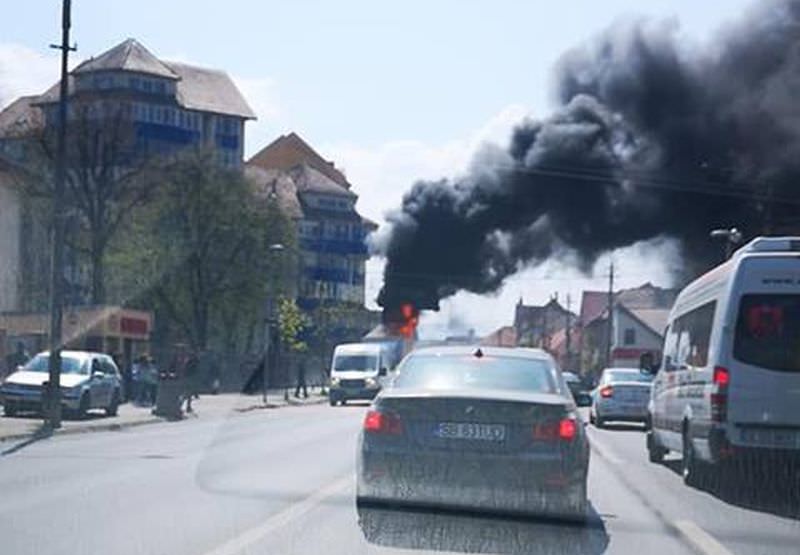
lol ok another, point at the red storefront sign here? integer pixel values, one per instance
(134, 326)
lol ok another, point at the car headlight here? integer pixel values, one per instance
(334, 381)
(371, 382)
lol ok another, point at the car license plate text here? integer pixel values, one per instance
(469, 430)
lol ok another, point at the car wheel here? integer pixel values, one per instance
(691, 469)
(655, 453)
(10, 409)
(113, 406)
(591, 417)
(343, 402)
(83, 406)
(599, 422)
(332, 401)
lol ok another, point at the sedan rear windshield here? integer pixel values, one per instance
(628, 376)
(355, 363)
(768, 332)
(470, 372)
(69, 365)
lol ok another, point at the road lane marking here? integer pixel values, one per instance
(280, 519)
(700, 540)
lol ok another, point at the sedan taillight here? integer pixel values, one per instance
(376, 422)
(606, 391)
(565, 430)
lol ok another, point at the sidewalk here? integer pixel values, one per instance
(26, 426)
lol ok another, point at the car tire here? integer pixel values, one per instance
(83, 406)
(332, 401)
(343, 402)
(591, 417)
(655, 452)
(692, 470)
(10, 409)
(599, 422)
(113, 406)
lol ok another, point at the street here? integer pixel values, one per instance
(282, 482)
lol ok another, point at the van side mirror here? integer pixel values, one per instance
(383, 371)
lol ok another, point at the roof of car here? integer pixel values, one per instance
(500, 352)
(76, 354)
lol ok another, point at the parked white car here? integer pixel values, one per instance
(728, 390)
(88, 381)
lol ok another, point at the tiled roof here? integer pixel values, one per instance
(287, 151)
(209, 90)
(593, 305)
(653, 318)
(128, 55)
(311, 180)
(267, 181)
(20, 117)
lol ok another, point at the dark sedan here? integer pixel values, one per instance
(478, 428)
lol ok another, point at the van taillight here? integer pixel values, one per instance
(607, 391)
(719, 398)
(376, 422)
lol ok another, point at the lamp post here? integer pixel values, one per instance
(274, 250)
(732, 237)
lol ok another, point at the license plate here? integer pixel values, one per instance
(469, 430)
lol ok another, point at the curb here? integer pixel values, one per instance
(117, 426)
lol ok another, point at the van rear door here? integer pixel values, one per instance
(764, 390)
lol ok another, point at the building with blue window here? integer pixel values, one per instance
(163, 106)
(331, 233)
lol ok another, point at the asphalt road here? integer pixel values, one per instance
(281, 481)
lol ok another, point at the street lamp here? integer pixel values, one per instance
(732, 237)
(273, 249)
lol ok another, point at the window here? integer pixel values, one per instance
(468, 372)
(688, 338)
(135, 83)
(768, 332)
(630, 336)
(147, 86)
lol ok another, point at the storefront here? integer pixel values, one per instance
(110, 329)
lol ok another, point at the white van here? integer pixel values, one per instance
(357, 372)
(728, 390)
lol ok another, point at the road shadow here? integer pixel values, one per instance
(42, 432)
(468, 532)
(772, 489)
(623, 427)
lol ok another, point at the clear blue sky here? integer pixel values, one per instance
(366, 71)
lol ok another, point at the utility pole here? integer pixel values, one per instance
(569, 334)
(53, 393)
(610, 321)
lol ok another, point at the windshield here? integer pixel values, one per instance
(628, 376)
(69, 365)
(355, 363)
(768, 332)
(469, 372)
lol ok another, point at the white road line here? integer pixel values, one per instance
(699, 539)
(249, 537)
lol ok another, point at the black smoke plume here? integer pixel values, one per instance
(653, 137)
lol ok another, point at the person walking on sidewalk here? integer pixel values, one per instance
(301, 378)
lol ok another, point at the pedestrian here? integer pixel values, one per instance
(19, 357)
(151, 379)
(301, 378)
(190, 377)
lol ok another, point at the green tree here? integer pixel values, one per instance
(292, 323)
(198, 252)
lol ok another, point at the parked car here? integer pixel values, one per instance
(621, 395)
(88, 381)
(483, 428)
(358, 371)
(728, 390)
(580, 393)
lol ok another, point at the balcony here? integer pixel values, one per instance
(334, 246)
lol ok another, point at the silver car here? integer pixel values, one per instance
(88, 381)
(480, 428)
(622, 395)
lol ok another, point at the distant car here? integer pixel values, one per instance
(88, 381)
(622, 395)
(481, 428)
